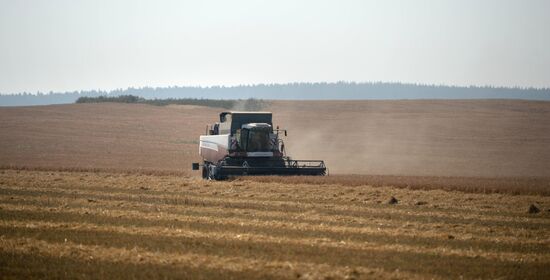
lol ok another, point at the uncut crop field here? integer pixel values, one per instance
(464, 138)
(57, 224)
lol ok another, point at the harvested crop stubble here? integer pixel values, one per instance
(508, 185)
(99, 224)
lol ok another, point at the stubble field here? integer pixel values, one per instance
(94, 224)
(105, 191)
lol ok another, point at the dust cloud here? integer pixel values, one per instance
(424, 138)
(250, 104)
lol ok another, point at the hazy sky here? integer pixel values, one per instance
(72, 45)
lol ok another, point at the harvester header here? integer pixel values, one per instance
(245, 143)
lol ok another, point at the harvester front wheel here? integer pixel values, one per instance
(210, 171)
(205, 171)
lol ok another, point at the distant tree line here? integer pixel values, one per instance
(250, 104)
(117, 99)
(291, 91)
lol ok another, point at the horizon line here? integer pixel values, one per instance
(285, 83)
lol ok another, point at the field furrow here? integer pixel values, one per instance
(267, 240)
(279, 222)
(350, 209)
(259, 268)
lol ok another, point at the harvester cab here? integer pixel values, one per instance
(245, 143)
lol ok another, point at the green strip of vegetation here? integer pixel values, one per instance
(250, 104)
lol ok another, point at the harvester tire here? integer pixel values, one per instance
(211, 172)
(205, 171)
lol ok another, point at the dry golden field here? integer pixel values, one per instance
(106, 191)
(104, 136)
(119, 225)
(481, 138)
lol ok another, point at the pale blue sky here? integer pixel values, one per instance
(72, 45)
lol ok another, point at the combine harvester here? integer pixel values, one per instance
(245, 143)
